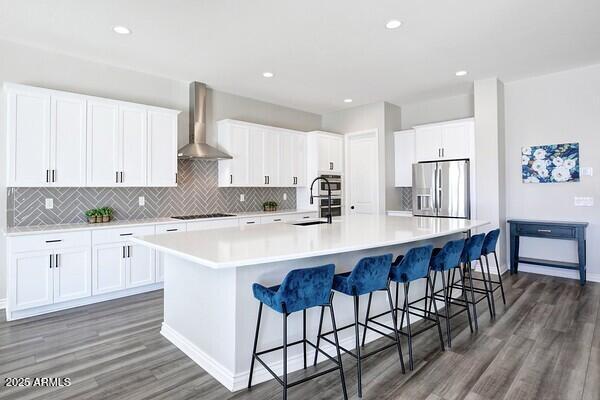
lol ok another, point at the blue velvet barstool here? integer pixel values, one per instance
(370, 274)
(412, 266)
(445, 261)
(489, 247)
(300, 290)
(472, 253)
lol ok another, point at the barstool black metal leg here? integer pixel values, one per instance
(485, 289)
(499, 278)
(337, 349)
(407, 310)
(284, 377)
(396, 335)
(426, 292)
(367, 319)
(490, 284)
(437, 318)
(304, 336)
(357, 339)
(445, 291)
(472, 294)
(255, 344)
(432, 293)
(319, 334)
(464, 294)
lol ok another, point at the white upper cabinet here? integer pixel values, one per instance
(28, 127)
(68, 140)
(65, 139)
(263, 156)
(331, 149)
(444, 141)
(132, 145)
(162, 148)
(234, 139)
(404, 156)
(46, 138)
(103, 144)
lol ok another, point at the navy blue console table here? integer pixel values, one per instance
(549, 230)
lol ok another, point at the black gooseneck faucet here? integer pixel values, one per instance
(328, 194)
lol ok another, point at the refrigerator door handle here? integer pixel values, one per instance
(439, 188)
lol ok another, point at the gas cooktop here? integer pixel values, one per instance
(200, 216)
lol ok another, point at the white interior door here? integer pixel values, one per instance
(362, 173)
(68, 147)
(72, 274)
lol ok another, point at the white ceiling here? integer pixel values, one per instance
(321, 51)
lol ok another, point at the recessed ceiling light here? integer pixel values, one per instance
(268, 74)
(121, 30)
(461, 73)
(393, 24)
(347, 100)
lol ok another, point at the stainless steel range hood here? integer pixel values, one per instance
(197, 148)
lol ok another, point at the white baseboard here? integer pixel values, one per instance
(2, 304)
(562, 273)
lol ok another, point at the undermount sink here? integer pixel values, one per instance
(309, 223)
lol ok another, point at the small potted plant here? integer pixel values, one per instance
(91, 215)
(106, 213)
(270, 206)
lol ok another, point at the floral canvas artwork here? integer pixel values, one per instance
(550, 163)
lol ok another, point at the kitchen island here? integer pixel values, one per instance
(210, 312)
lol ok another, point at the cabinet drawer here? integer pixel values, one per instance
(120, 234)
(273, 219)
(565, 232)
(170, 228)
(214, 224)
(50, 241)
(298, 217)
(250, 221)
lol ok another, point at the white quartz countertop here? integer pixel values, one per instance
(30, 230)
(259, 244)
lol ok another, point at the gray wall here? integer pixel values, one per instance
(33, 66)
(557, 108)
(437, 110)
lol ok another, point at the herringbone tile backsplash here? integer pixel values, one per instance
(196, 193)
(405, 198)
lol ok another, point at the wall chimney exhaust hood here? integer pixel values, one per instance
(197, 148)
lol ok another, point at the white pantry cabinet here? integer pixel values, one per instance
(404, 157)
(46, 137)
(263, 156)
(444, 141)
(330, 147)
(66, 139)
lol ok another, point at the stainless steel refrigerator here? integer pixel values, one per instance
(441, 189)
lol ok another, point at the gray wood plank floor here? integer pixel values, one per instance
(545, 344)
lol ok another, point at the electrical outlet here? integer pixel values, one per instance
(583, 201)
(142, 201)
(242, 197)
(587, 171)
(49, 204)
(284, 196)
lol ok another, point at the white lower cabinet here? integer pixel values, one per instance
(108, 266)
(45, 269)
(160, 258)
(140, 269)
(72, 274)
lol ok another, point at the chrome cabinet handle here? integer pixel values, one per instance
(47, 176)
(121, 173)
(125, 234)
(116, 176)
(172, 230)
(51, 258)
(277, 220)
(545, 230)
(176, 177)
(250, 222)
(231, 179)
(57, 260)
(53, 175)
(124, 252)
(54, 241)
(128, 251)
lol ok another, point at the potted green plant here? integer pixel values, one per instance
(270, 206)
(91, 215)
(106, 213)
